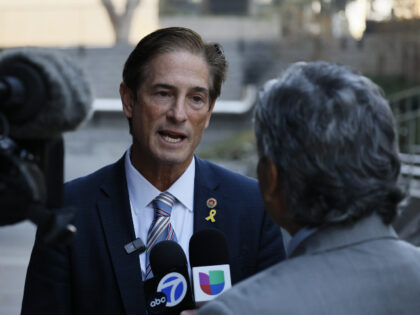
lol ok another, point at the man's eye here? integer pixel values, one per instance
(163, 93)
(197, 99)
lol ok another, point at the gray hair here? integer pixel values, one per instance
(331, 135)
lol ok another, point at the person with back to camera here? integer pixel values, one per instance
(328, 170)
(171, 81)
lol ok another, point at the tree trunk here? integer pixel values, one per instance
(121, 23)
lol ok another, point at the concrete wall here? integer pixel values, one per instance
(376, 54)
(228, 28)
(68, 22)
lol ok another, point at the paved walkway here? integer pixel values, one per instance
(15, 249)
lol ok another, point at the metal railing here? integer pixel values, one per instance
(406, 108)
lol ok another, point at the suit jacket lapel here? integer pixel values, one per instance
(114, 211)
(206, 186)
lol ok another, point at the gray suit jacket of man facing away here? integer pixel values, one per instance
(356, 269)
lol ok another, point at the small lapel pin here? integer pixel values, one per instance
(211, 203)
(211, 218)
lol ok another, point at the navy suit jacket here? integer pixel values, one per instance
(94, 274)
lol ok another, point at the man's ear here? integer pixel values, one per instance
(211, 107)
(268, 178)
(127, 99)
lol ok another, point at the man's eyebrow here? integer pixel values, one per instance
(171, 87)
(164, 86)
(200, 89)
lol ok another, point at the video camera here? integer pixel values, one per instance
(42, 94)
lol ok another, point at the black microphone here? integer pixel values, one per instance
(169, 292)
(209, 259)
(42, 93)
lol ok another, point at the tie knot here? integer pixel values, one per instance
(163, 204)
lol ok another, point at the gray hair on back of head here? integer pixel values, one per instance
(331, 134)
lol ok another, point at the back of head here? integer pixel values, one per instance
(331, 135)
(173, 39)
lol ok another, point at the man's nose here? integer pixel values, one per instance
(177, 112)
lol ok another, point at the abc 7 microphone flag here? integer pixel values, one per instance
(168, 295)
(169, 292)
(174, 287)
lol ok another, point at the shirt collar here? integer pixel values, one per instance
(142, 192)
(298, 238)
(183, 188)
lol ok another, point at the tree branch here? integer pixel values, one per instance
(121, 22)
(110, 9)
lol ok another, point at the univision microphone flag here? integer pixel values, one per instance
(210, 281)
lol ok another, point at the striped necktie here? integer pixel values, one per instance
(161, 228)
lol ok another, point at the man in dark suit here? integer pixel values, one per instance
(171, 82)
(328, 173)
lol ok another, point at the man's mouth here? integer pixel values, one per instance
(172, 137)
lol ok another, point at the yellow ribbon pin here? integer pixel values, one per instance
(211, 215)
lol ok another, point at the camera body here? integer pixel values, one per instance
(42, 94)
(22, 182)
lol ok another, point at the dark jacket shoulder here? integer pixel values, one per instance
(86, 187)
(227, 179)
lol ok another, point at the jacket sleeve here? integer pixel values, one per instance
(215, 307)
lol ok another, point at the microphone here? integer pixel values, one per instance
(42, 93)
(209, 259)
(169, 292)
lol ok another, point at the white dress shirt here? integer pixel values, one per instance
(141, 194)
